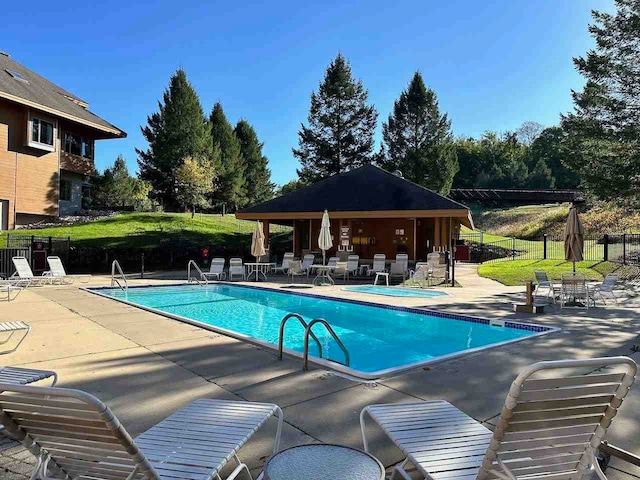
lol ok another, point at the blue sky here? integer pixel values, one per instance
(492, 64)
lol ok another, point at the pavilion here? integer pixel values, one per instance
(371, 211)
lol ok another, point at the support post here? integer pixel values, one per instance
(544, 247)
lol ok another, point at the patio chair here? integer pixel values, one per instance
(403, 259)
(543, 284)
(553, 420)
(421, 273)
(341, 270)
(379, 264)
(353, 263)
(397, 270)
(79, 437)
(236, 268)
(216, 270)
(574, 291)
(606, 288)
(13, 286)
(332, 261)
(11, 328)
(57, 271)
(295, 270)
(307, 261)
(23, 272)
(288, 257)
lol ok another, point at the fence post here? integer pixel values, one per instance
(606, 248)
(624, 248)
(513, 248)
(544, 247)
(142, 266)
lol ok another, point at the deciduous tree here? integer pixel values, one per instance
(194, 178)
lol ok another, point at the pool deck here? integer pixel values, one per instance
(145, 366)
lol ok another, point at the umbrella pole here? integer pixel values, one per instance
(574, 267)
(324, 255)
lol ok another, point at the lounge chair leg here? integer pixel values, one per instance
(240, 468)
(399, 469)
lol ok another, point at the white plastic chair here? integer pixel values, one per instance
(353, 263)
(332, 261)
(543, 284)
(574, 291)
(80, 437)
(216, 270)
(553, 420)
(307, 261)
(403, 259)
(236, 269)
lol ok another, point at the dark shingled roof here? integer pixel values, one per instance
(367, 188)
(41, 91)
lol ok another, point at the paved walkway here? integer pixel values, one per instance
(146, 366)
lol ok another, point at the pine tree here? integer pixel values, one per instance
(341, 126)
(604, 129)
(257, 176)
(177, 131)
(418, 139)
(230, 181)
(540, 176)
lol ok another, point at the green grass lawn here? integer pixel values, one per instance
(150, 230)
(516, 272)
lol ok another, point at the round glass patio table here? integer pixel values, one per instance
(323, 462)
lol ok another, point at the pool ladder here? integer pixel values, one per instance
(114, 281)
(203, 278)
(309, 333)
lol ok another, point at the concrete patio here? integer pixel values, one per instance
(145, 366)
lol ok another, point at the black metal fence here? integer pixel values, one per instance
(36, 249)
(621, 248)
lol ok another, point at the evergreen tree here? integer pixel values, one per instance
(604, 129)
(341, 126)
(550, 147)
(540, 176)
(177, 131)
(418, 139)
(257, 176)
(230, 181)
(116, 188)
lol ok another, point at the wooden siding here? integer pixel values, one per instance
(35, 182)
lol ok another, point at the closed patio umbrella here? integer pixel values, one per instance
(257, 242)
(573, 238)
(324, 239)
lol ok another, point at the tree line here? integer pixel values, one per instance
(596, 147)
(193, 160)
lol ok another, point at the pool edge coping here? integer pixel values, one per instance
(326, 363)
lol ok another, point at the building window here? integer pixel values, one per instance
(77, 145)
(42, 132)
(65, 190)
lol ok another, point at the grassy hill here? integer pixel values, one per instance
(151, 229)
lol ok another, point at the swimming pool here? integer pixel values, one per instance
(381, 340)
(396, 291)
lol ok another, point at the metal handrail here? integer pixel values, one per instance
(114, 281)
(305, 355)
(203, 277)
(283, 322)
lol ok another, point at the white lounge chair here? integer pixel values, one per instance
(23, 272)
(544, 286)
(397, 270)
(553, 420)
(420, 273)
(10, 329)
(81, 438)
(606, 289)
(57, 271)
(13, 286)
(288, 257)
(25, 376)
(236, 269)
(574, 291)
(379, 264)
(216, 270)
(353, 264)
(332, 261)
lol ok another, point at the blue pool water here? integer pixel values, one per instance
(378, 339)
(396, 291)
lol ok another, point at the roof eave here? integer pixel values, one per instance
(463, 214)
(112, 132)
